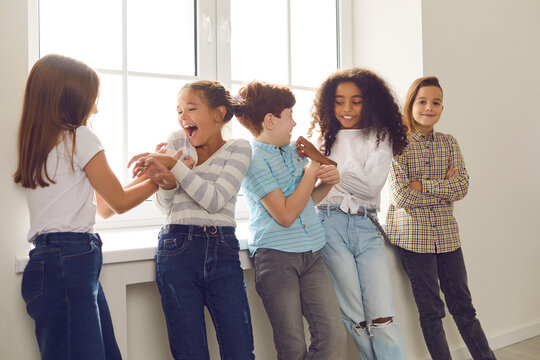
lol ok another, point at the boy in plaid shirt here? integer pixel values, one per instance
(426, 180)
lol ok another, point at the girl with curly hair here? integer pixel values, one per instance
(361, 129)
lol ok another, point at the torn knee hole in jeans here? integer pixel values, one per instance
(382, 322)
(359, 328)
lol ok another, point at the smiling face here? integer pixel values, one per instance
(201, 123)
(283, 126)
(348, 105)
(427, 108)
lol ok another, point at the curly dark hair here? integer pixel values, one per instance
(380, 111)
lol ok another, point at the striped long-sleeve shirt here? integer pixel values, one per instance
(207, 193)
(423, 222)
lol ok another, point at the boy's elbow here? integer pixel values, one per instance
(285, 220)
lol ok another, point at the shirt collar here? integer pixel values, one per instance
(271, 148)
(417, 135)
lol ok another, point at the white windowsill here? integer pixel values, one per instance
(139, 244)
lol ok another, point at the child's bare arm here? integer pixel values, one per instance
(306, 148)
(328, 176)
(286, 210)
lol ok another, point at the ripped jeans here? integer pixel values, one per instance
(198, 266)
(355, 257)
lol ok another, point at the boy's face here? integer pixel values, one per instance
(283, 126)
(427, 108)
(348, 105)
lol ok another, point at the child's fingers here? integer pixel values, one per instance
(161, 147)
(136, 158)
(177, 155)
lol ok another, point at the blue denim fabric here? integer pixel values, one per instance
(355, 257)
(425, 271)
(199, 266)
(64, 297)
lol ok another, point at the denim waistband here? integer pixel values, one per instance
(196, 229)
(65, 237)
(361, 211)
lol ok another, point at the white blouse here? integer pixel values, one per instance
(363, 167)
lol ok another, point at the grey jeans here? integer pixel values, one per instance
(292, 285)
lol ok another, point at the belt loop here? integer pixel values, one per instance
(327, 210)
(365, 211)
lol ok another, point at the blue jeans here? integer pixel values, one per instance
(355, 257)
(64, 297)
(425, 272)
(198, 266)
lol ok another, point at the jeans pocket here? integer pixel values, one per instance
(173, 245)
(70, 251)
(32, 281)
(230, 243)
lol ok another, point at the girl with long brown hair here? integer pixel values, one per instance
(64, 172)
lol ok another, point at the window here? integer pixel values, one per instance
(145, 51)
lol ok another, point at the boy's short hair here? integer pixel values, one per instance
(261, 99)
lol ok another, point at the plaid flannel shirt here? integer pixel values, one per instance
(423, 222)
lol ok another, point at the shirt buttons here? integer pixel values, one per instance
(292, 172)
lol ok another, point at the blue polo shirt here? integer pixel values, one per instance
(274, 168)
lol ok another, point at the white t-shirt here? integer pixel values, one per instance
(363, 168)
(70, 204)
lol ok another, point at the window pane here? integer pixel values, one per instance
(152, 112)
(302, 112)
(259, 45)
(90, 31)
(161, 36)
(313, 41)
(107, 123)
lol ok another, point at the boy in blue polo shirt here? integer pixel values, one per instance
(290, 276)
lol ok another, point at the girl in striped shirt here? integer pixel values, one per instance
(197, 262)
(426, 180)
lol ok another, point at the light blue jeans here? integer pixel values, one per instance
(355, 257)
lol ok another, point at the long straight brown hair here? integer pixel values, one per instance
(60, 93)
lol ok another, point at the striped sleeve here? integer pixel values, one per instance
(260, 180)
(163, 200)
(456, 187)
(214, 195)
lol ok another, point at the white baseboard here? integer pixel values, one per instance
(502, 340)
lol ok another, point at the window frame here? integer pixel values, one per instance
(213, 61)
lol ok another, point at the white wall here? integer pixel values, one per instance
(486, 54)
(16, 328)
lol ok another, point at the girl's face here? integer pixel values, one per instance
(348, 105)
(427, 108)
(201, 123)
(283, 127)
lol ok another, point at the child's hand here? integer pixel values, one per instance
(416, 185)
(451, 172)
(143, 160)
(189, 162)
(161, 148)
(328, 174)
(160, 175)
(312, 169)
(306, 148)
